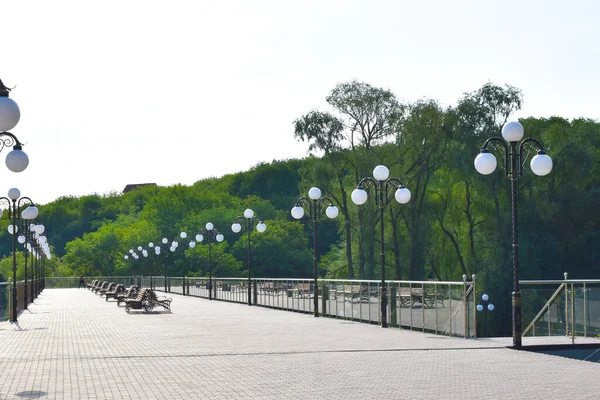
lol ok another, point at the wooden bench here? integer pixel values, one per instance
(111, 286)
(112, 294)
(351, 292)
(141, 301)
(130, 293)
(425, 297)
(95, 285)
(302, 290)
(271, 287)
(104, 285)
(91, 285)
(155, 301)
(147, 300)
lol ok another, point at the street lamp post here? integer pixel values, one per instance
(212, 234)
(382, 184)
(485, 305)
(174, 246)
(541, 164)
(249, 217)
(10, 114)
(27, 240)
(315, 208)
(14, 203)
(37, 240)
(164, 243)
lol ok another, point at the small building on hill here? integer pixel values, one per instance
(129, 188)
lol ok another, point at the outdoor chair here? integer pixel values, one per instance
(112, 294)
(103, 286)
(109, 288)
(130, 293)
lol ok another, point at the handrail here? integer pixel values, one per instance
(558, 281)
(545, 308)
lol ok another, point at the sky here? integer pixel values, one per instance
(120, 92)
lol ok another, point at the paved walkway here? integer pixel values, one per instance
(72, 344)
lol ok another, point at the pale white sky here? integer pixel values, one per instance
(117, 92)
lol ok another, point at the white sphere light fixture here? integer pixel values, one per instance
(485, 163)
(165, 240)
(183, 235)
(236, 227)
(297, 212)
(402, 195)
(541, 164)
(314, 193)
(513, 131)
(199, 238)
(192, 244)
(381, 173)
(248, 213)
(359, 196)
(209, 226)
(331, 211)
(261, 227)
(14, 193)
(10, 114)
(17, 160)
(220, 237)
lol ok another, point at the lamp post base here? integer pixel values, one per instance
(383, 294)
(516, 315)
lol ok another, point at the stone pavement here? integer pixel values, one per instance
(72, 344)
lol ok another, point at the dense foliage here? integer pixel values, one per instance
(457, 222)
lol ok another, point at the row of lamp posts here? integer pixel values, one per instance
(16, 161)
(511, 142)
(386, 187)
(209, 234)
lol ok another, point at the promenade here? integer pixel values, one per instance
(72, 344)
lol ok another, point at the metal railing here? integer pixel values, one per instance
(569, 307)
(34, 288)
(438, 307)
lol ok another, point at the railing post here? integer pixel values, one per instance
(393, 308)
(566, 305)
(585, 310)
(572, 314)
(324, 299)
(255, 294)
(474, 291)
(465, 311)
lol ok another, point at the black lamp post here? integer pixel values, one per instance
(315, 208)
(382, 185)
(174, 246)
(31, 240)
(211, 234)
(14, 203)
(249, 218)
(541, 164)
(485, 305)
(16, 161)
(10, 114)
(34, 242)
